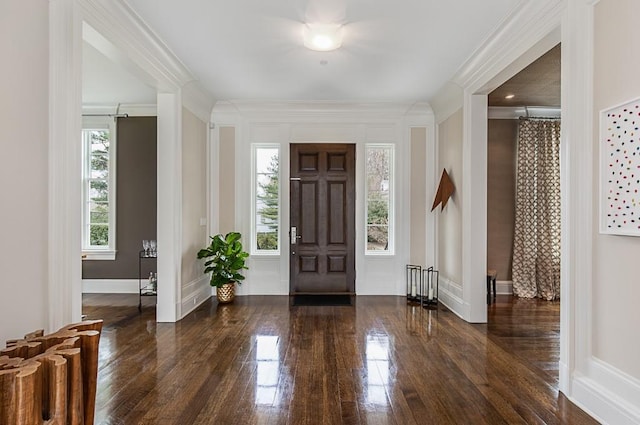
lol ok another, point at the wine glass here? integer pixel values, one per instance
(153, 246)
(146, 246)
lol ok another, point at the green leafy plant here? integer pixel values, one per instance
(226, 259)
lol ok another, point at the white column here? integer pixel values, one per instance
(65, 87)
(474, 208)
(169, 206)
(576, 172)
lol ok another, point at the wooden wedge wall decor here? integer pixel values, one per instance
(444, 192)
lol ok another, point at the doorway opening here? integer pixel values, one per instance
(523, 211)
(119, 205)
(530, 196)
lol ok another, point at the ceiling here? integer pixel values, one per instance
(536, 85)
(392, 51)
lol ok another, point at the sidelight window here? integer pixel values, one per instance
(379, 198)
(98, 192)
(266, 199)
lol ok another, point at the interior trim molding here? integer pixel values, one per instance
(576, 153)
(197, 100)
(194, 294)
(504, 287)
(447, 101)
(291, 111)
(525, 26)
(474, 201)
(117, 23)
(450, 294)
(64, 236)
(608, 394)
(169, 184)
(131, 109)
(110, 286)
(129, 39)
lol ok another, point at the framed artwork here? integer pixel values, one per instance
(620, 169)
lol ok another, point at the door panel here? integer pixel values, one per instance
(323, 213)
(308, 213)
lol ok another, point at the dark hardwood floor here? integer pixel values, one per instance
(261, 361)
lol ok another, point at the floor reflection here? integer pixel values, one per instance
(268, 369)
(378, 364)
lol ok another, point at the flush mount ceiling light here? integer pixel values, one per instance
(322, 37)
(510, 96)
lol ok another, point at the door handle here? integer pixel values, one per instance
(294, 235)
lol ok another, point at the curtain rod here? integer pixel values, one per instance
(527, 117)
(540, 118)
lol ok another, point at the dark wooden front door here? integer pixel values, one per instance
(322, 254)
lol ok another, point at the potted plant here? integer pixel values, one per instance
(226, 259)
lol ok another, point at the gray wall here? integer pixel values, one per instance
(501, 168)
(135, 198)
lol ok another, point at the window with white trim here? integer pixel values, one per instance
(379, 198)
(98, 188)
(266, 199)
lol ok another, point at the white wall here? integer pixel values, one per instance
(450, 219)
(24, 43)
(195, 286)
(418, 199)
(616, 286)
(226, 180)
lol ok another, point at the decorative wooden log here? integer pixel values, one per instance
(23, 349)
(34, 334)
(54, 388)
(7, 362)
(68, 343)
(87, 325)
(56, 385)
(89, 341)
(21, 389)
(75, 399)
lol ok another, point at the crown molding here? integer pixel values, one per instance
(447, 101)
(197, 100)
(420, 115)
(322, 110)
(120, 34)
(529, 23)
(116, 21)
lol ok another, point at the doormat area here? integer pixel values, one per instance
(320, 300)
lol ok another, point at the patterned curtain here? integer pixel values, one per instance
(536, 245)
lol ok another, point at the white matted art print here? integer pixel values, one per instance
(620, 169)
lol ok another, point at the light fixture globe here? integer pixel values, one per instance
(322, 37)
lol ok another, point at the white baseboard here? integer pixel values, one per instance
(612, 396)
(504, 287)
(195, 293)
(109, 286)
(450, 294)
